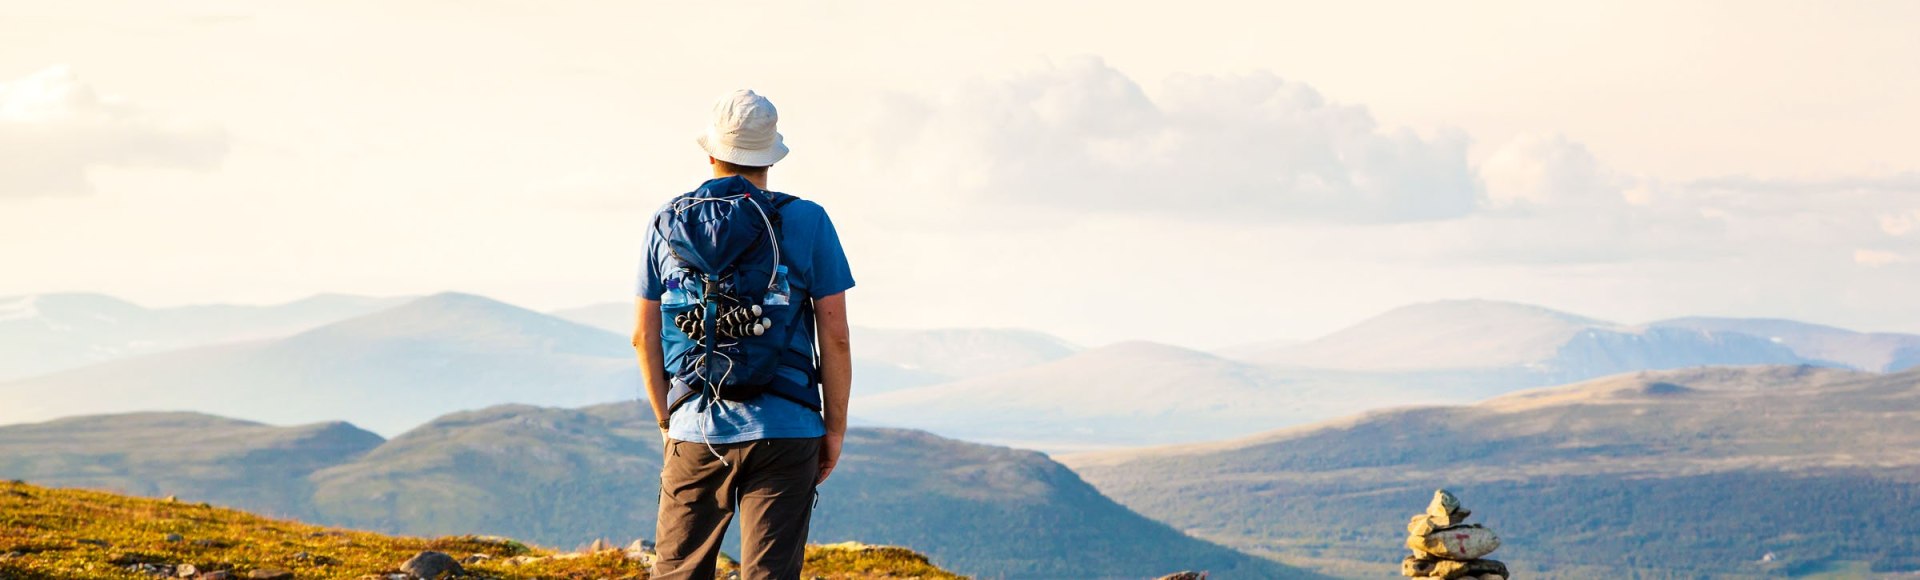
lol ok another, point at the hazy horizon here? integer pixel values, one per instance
(1208, 347)
(1631, 162)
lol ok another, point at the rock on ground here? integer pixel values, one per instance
(431, 565)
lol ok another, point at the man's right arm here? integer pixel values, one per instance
(653, 364)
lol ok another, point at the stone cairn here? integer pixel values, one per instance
(1445, 547)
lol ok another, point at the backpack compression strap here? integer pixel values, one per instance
(711, 328)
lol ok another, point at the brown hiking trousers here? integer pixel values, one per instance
(770, 482)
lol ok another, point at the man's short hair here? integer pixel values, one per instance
(739, 169)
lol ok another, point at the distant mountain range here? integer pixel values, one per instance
(389, 370)
(1438, 352)
(50, 332)
(1553, 346)
(892, 359)
(390, 366)
(1133, 393)
(564, 477)
(1723, 471)
(1868, 351)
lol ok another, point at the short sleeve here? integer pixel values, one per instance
(650, 286)
(831, 274)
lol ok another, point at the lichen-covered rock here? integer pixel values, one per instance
(1458, 543)
(1418, 566)
(1445, 506)
(1444, 546)
(1475, 569)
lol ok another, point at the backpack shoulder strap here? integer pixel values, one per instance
(780, 201)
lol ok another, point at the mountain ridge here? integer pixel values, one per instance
(253, 465)
(1872, 351)
(1657, 449)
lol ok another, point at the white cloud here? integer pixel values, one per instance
(1901, 223)
(1534, 170)
(1903, 182)
(1878, 258)
(1261, 155)
(1551, 202)
(1083, 137)
(54, 128)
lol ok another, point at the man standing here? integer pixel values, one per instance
(762, 456)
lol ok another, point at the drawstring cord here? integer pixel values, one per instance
(713, 400)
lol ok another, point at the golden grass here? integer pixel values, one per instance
(48, 534)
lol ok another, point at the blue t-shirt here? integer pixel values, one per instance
(816, 267)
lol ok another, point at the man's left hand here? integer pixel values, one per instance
(829, 454)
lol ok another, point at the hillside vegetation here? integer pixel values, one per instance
(62, 534)
(1729, 471)
(245, 464)
(568, 476)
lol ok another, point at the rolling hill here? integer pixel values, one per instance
(44, 333)
(1701, 472)
(389, 370)
(567, 476)
(245, 464)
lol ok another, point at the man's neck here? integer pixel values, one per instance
(759, 181)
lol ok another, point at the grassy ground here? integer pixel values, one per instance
(48, 534)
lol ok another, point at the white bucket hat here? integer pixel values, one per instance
(742, 131)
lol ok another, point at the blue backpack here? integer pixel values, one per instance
(728, 314)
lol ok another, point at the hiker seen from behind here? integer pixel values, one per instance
(743, 345)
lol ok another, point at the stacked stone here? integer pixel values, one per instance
(1444, 546)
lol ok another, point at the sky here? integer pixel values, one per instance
(1201, 173)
